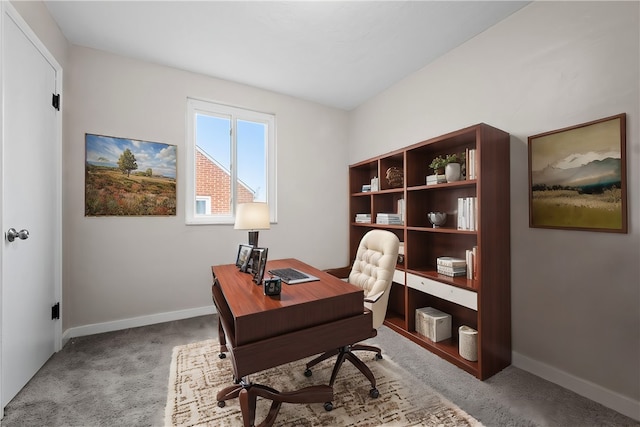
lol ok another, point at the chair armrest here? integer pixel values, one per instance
(340, 273)
(374, 298)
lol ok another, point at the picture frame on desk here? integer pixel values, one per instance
(244, 255)
(257, 264)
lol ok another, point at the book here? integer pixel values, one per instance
(451, 270)
(461, 222)
(389, 219)
(401, 209)
(466, 164)
(467, 214)
(363, 218)
(448, 261)
(471, 163)
(471, 255)
(474, 165)
(451, 274)
(474, 265)
(436, 179)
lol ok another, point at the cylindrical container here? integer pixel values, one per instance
(468, 343)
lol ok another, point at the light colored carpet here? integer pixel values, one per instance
(197, 374)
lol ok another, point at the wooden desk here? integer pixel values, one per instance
(262, 332)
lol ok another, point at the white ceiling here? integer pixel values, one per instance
(336, 53)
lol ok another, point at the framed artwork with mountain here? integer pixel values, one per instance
(577, 177)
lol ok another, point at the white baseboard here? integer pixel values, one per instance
(116, 325)
(616, 401)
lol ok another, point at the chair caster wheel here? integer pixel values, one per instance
(308, 373)
(378, 356)
(221, 404)
(222, 355)
(374, 393)
(328, 406)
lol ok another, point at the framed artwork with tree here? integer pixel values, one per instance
(129, 177)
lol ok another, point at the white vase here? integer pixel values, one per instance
(452, 172)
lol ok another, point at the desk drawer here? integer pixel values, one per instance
(454, 294)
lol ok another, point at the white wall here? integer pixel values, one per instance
(575, 294)
(125, 267)
(37, 16)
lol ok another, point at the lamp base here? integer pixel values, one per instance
(253, 239)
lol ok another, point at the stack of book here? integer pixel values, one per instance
(472, 262)
(471, 165)
(401, 209)
(363, 218)
(450, 266)
(468, 213)
(436, 179)
(389, 219)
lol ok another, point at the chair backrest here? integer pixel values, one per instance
(373, 269)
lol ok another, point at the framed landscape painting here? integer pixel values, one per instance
(577, 177)
(128, 177)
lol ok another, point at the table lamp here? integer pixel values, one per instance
(252, 216)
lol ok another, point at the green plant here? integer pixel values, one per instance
(455, 158)
(440, 162)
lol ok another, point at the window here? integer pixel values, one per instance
(230, 160)
(203, 205)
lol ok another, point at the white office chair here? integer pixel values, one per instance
(372, 270)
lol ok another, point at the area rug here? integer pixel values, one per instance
(197, 374)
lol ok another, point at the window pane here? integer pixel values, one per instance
(213, 162)
(252, 160)
(201, 207)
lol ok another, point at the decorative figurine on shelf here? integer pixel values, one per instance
(395, 177)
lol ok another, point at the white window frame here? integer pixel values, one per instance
(195, 106)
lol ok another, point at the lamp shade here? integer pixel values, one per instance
(252, 216)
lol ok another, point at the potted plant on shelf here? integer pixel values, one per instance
(438, 164)
(450, 165)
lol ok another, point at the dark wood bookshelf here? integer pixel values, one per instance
(482, 303)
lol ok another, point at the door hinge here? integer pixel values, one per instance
(55, 311)
(55, 101)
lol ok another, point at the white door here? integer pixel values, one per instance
(31, 202)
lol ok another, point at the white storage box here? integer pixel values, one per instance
(433, 324)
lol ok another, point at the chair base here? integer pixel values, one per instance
(346, 353)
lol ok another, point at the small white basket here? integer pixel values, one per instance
(468, 343)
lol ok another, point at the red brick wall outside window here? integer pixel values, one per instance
(214, 181)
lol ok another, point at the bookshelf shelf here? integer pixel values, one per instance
(417, 282)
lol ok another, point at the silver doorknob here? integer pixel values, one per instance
(12, 234)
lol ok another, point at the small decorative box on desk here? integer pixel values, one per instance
(433, 324)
